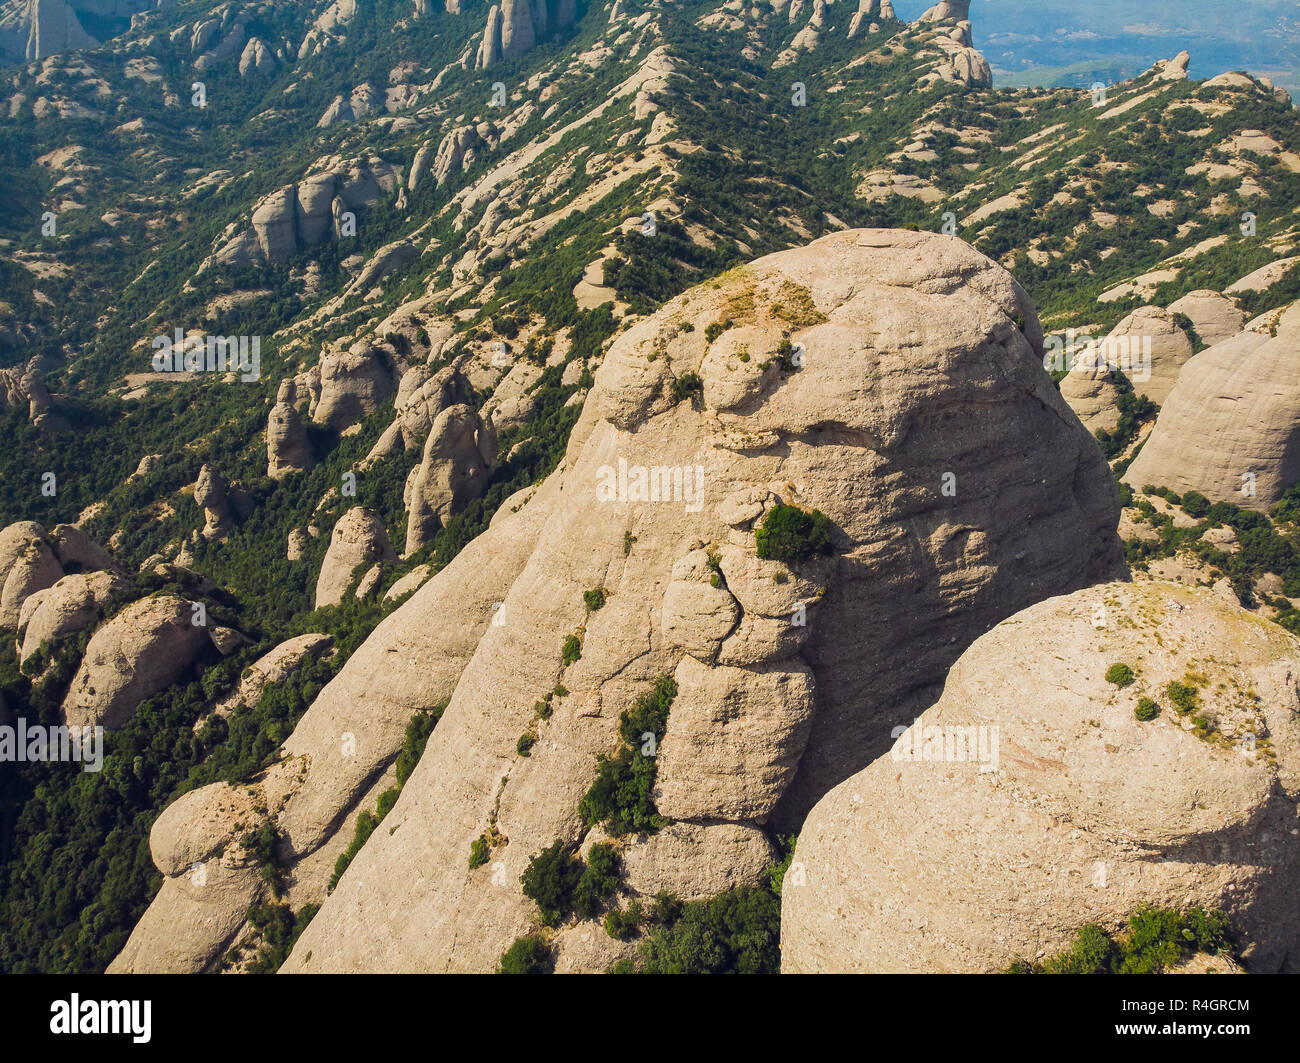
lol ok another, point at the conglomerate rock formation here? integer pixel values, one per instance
(892, 380)
(1030, 800)
(1230, 426)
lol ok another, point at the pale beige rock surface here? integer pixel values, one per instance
(288, 449)
(1092, 394)
(586, 947)
(199, 825)
(1264, 277)
(932, 864)
(734, 739)
(358, 539)
(409, 583)
(1150, 349)
(27, 565)
(73, 604)
(140, 651)
(77, 552)
(460, 452)
(272, 668)
(256, 59)
(339, 757)
(193, 918)
(694, 861)
(958, 9)
(353, 383)
(915, 367)
(1231, 427)
(489, 49)
(1215, 316)
(210, 495)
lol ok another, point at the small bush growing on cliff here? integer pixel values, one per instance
(560, 883)
(686, 385)
(622, 924)
(1120, 674)
(1195, 504)
(571, 650)
(1159, 937)
(599, 880)
(1185, 698)
(550, 880)
(788, 533)
(1147, 710)
(280, 928)
(715, 568)
(528, 955)
(365, 826)
(417, 736)
(734, 933)
(479, 852)
(1155, 940)
(261, 845)
(620, 798)
(594, 599)
(1134, 410)
(785, 844)
(1091, 953)
(418, 729)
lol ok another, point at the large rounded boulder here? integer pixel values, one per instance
(27, 566)
(1031, 799)
(358, 539)
(1230, 428)
(143, 649)
(893, 381)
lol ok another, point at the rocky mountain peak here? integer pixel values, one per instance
(685, 594)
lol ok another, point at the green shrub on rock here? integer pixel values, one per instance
(623, 924)
(599, 880)
(571, 651)
(1155, 940)
(790, 534)
(528, 955)
(686, 385)
(479, 852)
(1120, 674)
(736, 932)
(1092, 952)
(621, 797)
(550, 881)
(560, 883)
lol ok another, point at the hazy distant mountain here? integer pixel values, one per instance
(1063, 42)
